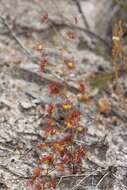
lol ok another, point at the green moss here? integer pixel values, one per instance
(100, 80)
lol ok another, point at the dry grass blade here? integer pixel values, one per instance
(117, 50)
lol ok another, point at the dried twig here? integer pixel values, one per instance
(77, 185)
(102, 179)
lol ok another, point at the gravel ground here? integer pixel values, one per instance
(24, 93)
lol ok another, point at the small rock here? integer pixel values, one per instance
(26, 104)
(101, 68)
(125, 94)
(3, 186)
(104, 105)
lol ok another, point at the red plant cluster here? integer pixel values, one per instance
(55, 88)
(59, 152)
(44, 17)
(43, 64)
(71, 35)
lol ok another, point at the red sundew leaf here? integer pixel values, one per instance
(59, 148)
(71, 64)
(44, 17)
(71, 124)
(42, 146)
(43, 64)
(50, 110)
(38, 186)
(78, 156)
(48, 159)
(51, 122)
(67, 106)
(75, 115)
(39, 47)
(73, 120)
(55, 88)
(53, 183)
(51, 131)
(61, 167)
(71, 35)
(67, 159)
(37, 172)
(81, 129)
(77, 159)
(68, 140)
(81, 153)
(82, 88)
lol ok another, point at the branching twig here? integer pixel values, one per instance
(77, 185)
